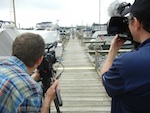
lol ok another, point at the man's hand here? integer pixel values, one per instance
(116, 43)
(36, 75)
(51, 91)
(50, 95)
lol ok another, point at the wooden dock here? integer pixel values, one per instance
(81, 87)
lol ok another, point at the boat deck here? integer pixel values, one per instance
(81, 87)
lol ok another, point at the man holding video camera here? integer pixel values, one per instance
(19, 92)
(126, 78)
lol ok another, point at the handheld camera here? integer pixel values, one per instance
(119, 25)
(47, 72)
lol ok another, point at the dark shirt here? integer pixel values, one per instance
(128, 81)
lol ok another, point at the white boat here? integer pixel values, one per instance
(7, 37)
(7, 24)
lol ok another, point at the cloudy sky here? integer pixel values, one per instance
(65, 12)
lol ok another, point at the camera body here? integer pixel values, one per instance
(49, 57)
(119, 25)
(48, 61)
(46, 70)
(46, 67)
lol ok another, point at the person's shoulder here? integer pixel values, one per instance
(126, 55)
(5, 82)
(126, 59)
(27, 86)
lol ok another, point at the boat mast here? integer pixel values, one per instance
(99, 11)
(13, 1)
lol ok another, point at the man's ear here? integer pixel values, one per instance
(39, 60)
(137, 24)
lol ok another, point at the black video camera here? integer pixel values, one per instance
(48, 60)
(47, 72)
(46, 67)
(119, 25)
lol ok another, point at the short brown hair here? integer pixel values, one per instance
(28, 47)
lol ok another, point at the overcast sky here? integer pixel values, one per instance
(65, 12)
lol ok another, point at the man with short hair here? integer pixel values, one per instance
(19, 92)
(126, 78)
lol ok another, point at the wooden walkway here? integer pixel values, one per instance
(81, 87)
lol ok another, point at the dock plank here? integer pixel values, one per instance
(81, 87)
